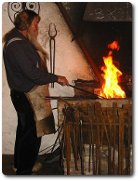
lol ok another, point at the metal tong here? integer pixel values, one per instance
(52, 32)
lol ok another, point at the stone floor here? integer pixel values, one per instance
(49, 166)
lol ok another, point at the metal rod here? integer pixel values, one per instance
(90, 93)
(50, 56)
(54, 49)
(67, 97)
(59, 132)
(81, 148)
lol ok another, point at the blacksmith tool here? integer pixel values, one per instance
(90, 144)
(81, 148)
(58, 137)
(69, 115)
(92, 156)
(67, 141)
(52, 34)
(95, 96)
(73, 136)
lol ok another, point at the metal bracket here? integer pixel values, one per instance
(15, 7)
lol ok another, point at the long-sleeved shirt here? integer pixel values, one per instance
(21, 62)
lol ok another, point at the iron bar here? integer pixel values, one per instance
(90, 93)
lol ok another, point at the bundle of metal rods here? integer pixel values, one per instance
(108, 134)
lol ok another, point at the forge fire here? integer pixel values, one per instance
(111, 75)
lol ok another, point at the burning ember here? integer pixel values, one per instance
(110, 87)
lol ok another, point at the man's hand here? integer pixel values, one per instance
(62, 80)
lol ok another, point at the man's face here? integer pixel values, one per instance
(33, 28)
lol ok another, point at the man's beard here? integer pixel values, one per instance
(32, 36)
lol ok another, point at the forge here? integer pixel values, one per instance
(97, 128)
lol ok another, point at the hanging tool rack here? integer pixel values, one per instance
(97, 136)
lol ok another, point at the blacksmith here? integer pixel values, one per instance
(25, 73)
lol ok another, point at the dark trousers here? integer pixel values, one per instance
(27, 143)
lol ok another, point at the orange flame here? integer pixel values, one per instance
(111, 88)
(114, 45)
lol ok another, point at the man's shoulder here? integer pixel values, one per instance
(13, 40)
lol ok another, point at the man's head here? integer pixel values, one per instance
(27, 23)
(27, 20)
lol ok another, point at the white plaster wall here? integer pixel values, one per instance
(70, 62)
